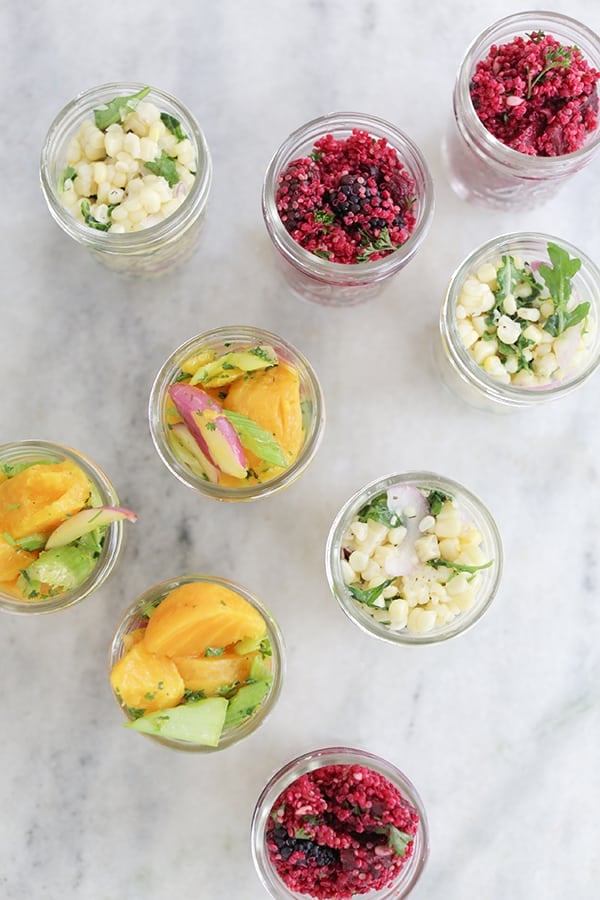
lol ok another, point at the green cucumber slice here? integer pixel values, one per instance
(197, 723)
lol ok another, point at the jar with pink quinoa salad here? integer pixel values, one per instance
(525, 110)
(347, 201)
(339, 823)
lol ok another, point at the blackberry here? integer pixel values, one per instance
(299, 192)
(322, 856)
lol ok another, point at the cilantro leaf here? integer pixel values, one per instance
(88, 218)
(173, 125)
(558, 281)
(378, 510)
(117, 109)
(369, 596)
(256, 439)
(165, 165)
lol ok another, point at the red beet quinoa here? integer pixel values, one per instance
(350, 201)
(536, 96)
(340, 831)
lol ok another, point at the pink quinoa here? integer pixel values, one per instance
(350, 201)
(340, 831)
(536, 95)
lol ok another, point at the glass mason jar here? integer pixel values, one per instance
(222, 340)
(469, 380)
(137, 617)
(105, 495)
(472, 511)
(151, 251)
(317, 759)
(312, 277)
(481, 168)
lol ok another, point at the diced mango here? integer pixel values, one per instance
(199, 615)
(148, 681)
(40, 497)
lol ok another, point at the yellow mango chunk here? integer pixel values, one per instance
(39, 498)
(208, 674)
(148, 681)
(12, 560)
(199, 615)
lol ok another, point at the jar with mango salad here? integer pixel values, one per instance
(197, 663)
(61, 528)
(236, 413)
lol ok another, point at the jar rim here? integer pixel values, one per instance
(63, 126)
(484, 522)
(259, 490)
(316, 759)
(526, 165)
(411, 158)
(162, 590)
(517, 395)
(112, 544)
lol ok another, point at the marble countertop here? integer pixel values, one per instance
(499, 729)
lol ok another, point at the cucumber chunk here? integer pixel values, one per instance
(198, 723)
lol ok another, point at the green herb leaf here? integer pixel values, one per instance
(69, 174)
(214, 651)
(165, 165)
(256, 439)
(173, 124)
(90, 220)
(457, 567)
(378, 510)
(368, 597)
(118, 109)
(558, 281)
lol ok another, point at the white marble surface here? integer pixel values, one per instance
(499, 729)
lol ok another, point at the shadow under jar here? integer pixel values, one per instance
(484, 170)
(414, 558)
(85, 565)
(379, 861)
(155, 248)
(283, 398)
(505, 348)
(145, 668)
(315, 277)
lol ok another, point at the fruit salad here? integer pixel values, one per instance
(129, 168)
(235, 417)
(350, 201)
(522, 322)
(52, 528)
(536, 95)
(196, 663)
(340, 831)
(411, 559)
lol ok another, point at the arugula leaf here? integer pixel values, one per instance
(117, 109)
(90, 220)
(436, 500)
(256, 439)
(378, 510)
(558, 282)
(173, 124)
(68, 175)
(214, 651)
(165, 165)
(458, 567)
(369, 596)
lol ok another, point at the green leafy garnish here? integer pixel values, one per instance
(377, 245)
(90, 220)
(256, 439)
(165, 165)
(558, 281)
(556, 58)
(457, 567)
(378, 510)
(68, 175)
(118, 109)
(436, 500)
(214, 651)
(192, 696)
(369, 596)
(173, 124)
